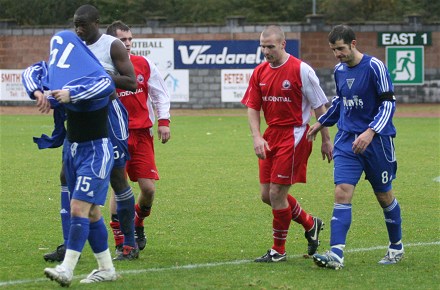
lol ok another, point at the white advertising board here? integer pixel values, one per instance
(159, 50)
(234, 84)
(11, 88)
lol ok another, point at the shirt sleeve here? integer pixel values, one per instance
(311, 88)
(331, 117)
(34, 77)
(159, 94)
(383, 117)
(252, 97)
(384, 87)
(88, 88)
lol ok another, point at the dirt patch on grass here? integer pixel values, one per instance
(403, 110)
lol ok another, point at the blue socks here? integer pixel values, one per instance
(79, 231)
(340, 224)
(98, 236)
(341, 221)
(393, 222)
(65, 212)
(125, 210)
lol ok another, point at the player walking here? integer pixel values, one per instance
(287, 90)
(141, 167)
(78, 81)
(363, 110)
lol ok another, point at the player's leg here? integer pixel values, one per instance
(115, 226)
(125, 210)
(381, 168)
(143, 209)
(141, 168)
(282, 216)
(118, 122)
(88, 189)
(347, 171)
(312, 225)
(98, 240)
(393, 221)
(58, 254)
(98, 235)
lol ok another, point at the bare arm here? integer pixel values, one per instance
(362, 141)
(43, 103)
(126, 79)
(260, 145)
(326, 146)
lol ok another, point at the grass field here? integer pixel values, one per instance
(208, 223)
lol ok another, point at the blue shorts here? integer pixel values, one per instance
(118, 132)
(87, 167)
(378, 161)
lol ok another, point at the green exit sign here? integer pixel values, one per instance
(404, 38)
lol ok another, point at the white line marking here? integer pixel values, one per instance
(437, 179)
(207, 265)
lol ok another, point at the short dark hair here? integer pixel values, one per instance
(89, 12)
(118, 24)
(343, 32)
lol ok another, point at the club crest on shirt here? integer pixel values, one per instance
(286, 84)
(140, 78)
(350, 83)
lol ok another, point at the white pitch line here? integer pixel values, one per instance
(208, 265)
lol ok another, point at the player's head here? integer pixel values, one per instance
(86, 22)
(273, 44)
(342, 41)
(121, 30)
(341, 32)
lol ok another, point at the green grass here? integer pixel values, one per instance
(208, 222)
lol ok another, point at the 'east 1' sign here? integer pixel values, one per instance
(404, 38)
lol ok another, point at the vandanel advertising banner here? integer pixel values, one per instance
(222, 54)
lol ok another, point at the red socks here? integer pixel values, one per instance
(299, 215)
(281, 223)
(140, 215)
(117, 234)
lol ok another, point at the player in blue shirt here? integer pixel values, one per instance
(112, 55)
(76, 79)
(363, 111)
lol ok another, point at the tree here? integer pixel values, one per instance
(196, 12)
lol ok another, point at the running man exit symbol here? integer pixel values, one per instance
(406, 64)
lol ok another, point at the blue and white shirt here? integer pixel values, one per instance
(74, 67)
(365, 98)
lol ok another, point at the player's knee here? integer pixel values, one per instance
(118, 180)
(147, 187)
(385, 198)
(344, 193)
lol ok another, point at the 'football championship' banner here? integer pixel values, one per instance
(159, 50)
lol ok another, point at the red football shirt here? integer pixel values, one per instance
(151, 90)
(286, 93)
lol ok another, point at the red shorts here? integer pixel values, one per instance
(141, 148)
(286, 162)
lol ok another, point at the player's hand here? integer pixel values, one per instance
(62, 96)
(327, 151)
(43, 103)
(313, 130)
(260, 147)
(362, 141)
(164, 133)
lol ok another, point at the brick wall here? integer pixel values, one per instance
(20, 47)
